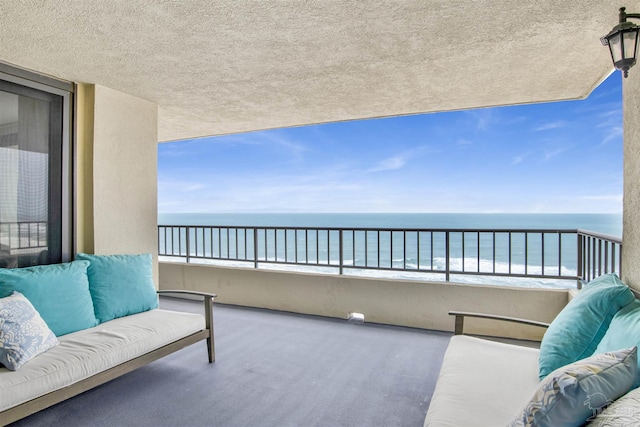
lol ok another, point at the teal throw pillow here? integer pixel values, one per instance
(120, 284)
(573, 394)
(59, 292)
(624, 331)
(575, 333)
(23, 333)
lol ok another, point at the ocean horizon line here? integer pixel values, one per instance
(610, 224)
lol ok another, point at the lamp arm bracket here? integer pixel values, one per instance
(624, 15)
(632, 15)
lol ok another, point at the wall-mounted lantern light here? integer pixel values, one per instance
(623, 42)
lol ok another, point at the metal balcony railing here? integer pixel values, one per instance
(598, 254)
(22, 242)
(577, 255)
(23, 235)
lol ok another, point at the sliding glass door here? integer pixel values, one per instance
(34, 187)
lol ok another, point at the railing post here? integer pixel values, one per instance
(620, 261)
(188, 243)
(447, 257)
(255, 247)
(341, 248)
(579, 264)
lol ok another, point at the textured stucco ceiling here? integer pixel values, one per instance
(227, 66)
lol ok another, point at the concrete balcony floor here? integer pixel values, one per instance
(272, 369)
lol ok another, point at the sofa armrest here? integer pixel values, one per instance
(208, 315)
(460, 315)
(182, 291)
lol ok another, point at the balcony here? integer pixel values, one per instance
(333, 272)
(117, 132)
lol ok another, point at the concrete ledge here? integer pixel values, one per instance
(393, 302)
(572, 294)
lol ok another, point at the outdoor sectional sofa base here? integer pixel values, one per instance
(482, 382)
(38, 402)
(589, 350)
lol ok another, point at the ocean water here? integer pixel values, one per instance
(603, 223)
(398, 251)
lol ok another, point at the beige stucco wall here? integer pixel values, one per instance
(117, 172)
(83, 167)
(631, 200)
(395, 302)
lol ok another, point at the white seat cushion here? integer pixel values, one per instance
(482, 383)
(90, 351)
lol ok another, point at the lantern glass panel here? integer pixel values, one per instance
(630, 38)
(615, 44)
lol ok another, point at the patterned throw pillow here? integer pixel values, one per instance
(570, 395)
(624, 412)
(23, 333)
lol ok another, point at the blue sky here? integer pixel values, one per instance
(563, 157)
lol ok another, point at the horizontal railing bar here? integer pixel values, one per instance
(601, 236)
(400, 229)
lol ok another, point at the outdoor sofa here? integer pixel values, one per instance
(584, 373)
(101, 320)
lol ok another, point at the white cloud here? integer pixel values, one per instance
(615, 113)
(615, 132)
(550, 125)
(275, 138)
(616, 198)
(484, 118)
(253, 138)
(174, 183)
(265, 138)
(194, 187)
(392, 163)
(548, 154)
